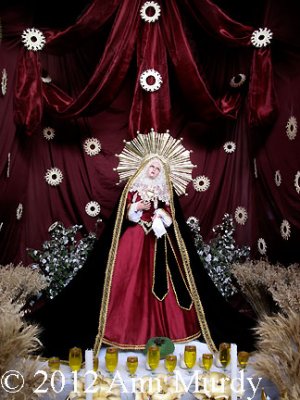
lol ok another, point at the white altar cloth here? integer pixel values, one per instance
(251, 380)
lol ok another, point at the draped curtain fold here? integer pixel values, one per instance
(261, 88)
(118, 53)
(151, 108)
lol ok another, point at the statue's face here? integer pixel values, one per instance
(154, 169)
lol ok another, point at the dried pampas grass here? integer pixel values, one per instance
(269, 287)
(19, 283)
(278, 356)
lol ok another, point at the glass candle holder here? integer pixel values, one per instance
(111, 359)
(54, 363)
(75, 358)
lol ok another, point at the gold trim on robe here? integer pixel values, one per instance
(185, 265)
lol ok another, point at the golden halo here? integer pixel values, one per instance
(163, 146)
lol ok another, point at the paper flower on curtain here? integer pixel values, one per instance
(241, 215)
(46, 79)
(49, 133)
(291, 127)
(193, 222)
(92, 208)
(19, 211)
(54, 176)
(262, 246)
(237, 80)
(155, 11)
(261, 37)
(229, 147)
(4, 82)
(285, 229)
(201, 183)
(296, 182)
(92, 146)
(255, 168)
(278, 178)
(33, 39)
(55, 225)
(151, 80)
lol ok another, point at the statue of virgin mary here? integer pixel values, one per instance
(149, 288)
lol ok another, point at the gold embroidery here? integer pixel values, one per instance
(147, 226)
(142, 346)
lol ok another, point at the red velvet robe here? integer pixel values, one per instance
(134, 313)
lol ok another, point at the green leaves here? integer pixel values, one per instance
(220, 253)
(62, 256)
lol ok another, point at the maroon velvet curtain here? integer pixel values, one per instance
(95, 64)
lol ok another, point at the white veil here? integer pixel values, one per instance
(149, 188)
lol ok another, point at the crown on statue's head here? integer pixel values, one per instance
(163, 146)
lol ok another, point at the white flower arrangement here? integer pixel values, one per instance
(285, 229)
(163, 387)
(53, 176)
(201, 183)
(92, 146)
(241, 215)
(220, 253)
(102, 387)
(157, 80)
(229, 147)
(92, 208)
(33, 39)
(49, 133)
(215, 386)
(156, 11)
(261, 37)
(291, 127)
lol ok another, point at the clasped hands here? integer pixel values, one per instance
(145, 205)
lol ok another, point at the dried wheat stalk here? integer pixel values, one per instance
(266, 285)
(17, 338)
(278, 356)
(33, 380)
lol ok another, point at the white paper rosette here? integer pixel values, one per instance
(54, 176)
(154, 7)
(33, 39)
(156, 77)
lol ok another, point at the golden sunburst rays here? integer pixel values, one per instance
(162, 145)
